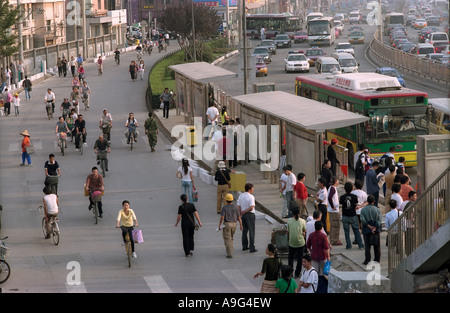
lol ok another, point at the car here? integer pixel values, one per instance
(354, 28)
(300, 36)
(339, 26)
(410, 20)
(313, 54)
(445, 59)
(420, 23)
(282, 41)
(269, 44)
(339, 17)
(391, 71)
(425, 33)
(260, 66)
(446, 50)
(295, 62)
(263, 52)
(397, 41)
(407, 47)
(356, 37)
(345, 47)
(439, 46)
(422, 49)
(433, 57)
(433, 20)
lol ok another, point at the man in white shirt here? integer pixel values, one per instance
(395, 194)
(49, 99)
(310, 278)
(51, 209)
(282, 185)
(412, 196)
(212, 116)
(246, 206)
(291, 181)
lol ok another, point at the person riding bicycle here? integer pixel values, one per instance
(105, 124)
(125, 222)
(117, 55)
(81, 75)
(85, 94)
(49, 100)
(94, 182)
(139, 51)
(75, 98)
(66, 106)
(101, 149)
(100, 64)
(61, 130)
(52, 171)
(51, 207)
(79, 131)
(131, 125)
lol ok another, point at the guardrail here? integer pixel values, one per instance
(419, 221)
(410, 62)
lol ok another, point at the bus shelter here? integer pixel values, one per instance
(193, 87)
(301, 123)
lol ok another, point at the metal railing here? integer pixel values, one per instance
(419, 221)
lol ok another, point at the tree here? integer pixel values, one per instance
(9, 16)
(177, 18)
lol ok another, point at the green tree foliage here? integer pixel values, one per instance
(177, 19)
(9, 16)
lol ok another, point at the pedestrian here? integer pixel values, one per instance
(231, 130)
(333, 212)
(151, 130)
(132, 70)
(64, 65)
(59, 65)
(52, 171)
(321, 200)
(331, 155)
(141, 69)
(291, 181)
(282, 161)
(372, 180)
(212, 118)
(301, 195)
(318, 247)
(187, 179)
(222, 176)
(282, 186)
(263, 33)
(271, 269)
(125, 220)
(371, 228)
(357, 154)
(360, 166)
(389, 181)
(405, 188)
(296, 227)
(286, 284)
(310, 279)
(16, 104)
(349, 201)
(246, 205)
(186, 214)
(224, 118)
(317, 216)
(8, 98)
(26, 143)
(165, 99)
(72, 64)
(392, 215)
(362, 199)
(229, 217)
(412, 196)
(326, 172)
(20, 70)
(396, 194)
(26, 84)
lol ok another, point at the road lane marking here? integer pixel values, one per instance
(157, 284)
(239, 281)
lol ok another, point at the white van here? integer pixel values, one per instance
(422, 49)
(438, 37)
(346, 61)
(327, 65)
(354, 17)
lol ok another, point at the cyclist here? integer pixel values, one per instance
(94, 182)
(125, 222)
(80, 131)
(101, 148)
(100, 65)
(61, 130)
(79, 60)
(86, 93)
(65, 108)
(139, 52)
(75, 98)
(81, 73)
(105, 124)
(117, 56)
(51, 208)
(52, 171)
(131, 125)
(49, 100)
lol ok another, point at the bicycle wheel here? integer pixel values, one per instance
(81, 147)
(95, 211)
(128, 248)
(5, 271)
(44, 228)
(102, 166)
(131, 141)
(61, 142)
(55, 233)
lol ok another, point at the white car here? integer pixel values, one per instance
(339, 25)
(345, 47)
(296, 62)
(446, 50)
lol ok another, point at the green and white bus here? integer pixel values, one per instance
(396, 115)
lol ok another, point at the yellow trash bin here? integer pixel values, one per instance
(191, 137)
(238, 181)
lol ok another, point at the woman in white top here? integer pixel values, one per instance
(141, 69)
(51, 203)
(187, 179)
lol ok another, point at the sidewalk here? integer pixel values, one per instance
(268, 199)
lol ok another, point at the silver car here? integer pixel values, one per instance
(264, 53)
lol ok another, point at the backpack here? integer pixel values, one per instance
(322, 283)
(359, 166)
(382, 161)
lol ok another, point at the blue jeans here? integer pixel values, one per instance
(351, 221)
(27, 157)
(27, 94)
(186, 188)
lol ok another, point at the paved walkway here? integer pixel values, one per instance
(268, 199)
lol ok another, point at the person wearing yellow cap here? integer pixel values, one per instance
(229, 217)
(16, 103)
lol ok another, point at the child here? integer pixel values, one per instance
(271, 268)
(286, 284)
(16, 103)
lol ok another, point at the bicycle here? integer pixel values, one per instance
(139, 56)
(53, 229)
(80, 143)
(117, 58)
(100, 69)
(101, 157)
(128, 249)
(96, 199)
(131, 134)
(49, 109)
(5, 269)
(62, 137)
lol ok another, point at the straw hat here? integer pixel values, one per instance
(25, 133)
(221, 164)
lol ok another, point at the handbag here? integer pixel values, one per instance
(29, 149)
(327, 267)
(137, 236)
(161, 106)
(196, 227)
(195, 195)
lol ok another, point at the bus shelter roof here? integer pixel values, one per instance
(306, 113)
(202, 72)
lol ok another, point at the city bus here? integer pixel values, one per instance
(312, 15)
(391, 19)
(396, 115)
(274, 24)
(321, 31)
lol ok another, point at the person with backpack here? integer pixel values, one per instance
(360, 172)
(349, 202)
(310, 278)
(27, 87)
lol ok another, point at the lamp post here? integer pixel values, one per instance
(193, 33)
(19, 31)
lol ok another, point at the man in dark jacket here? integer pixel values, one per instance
(331, 155)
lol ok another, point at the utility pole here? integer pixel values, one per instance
(19, 31)
(83, 12)
(244, 34)
(193, 32)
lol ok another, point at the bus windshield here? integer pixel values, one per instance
(319, 28)
(385, 127)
